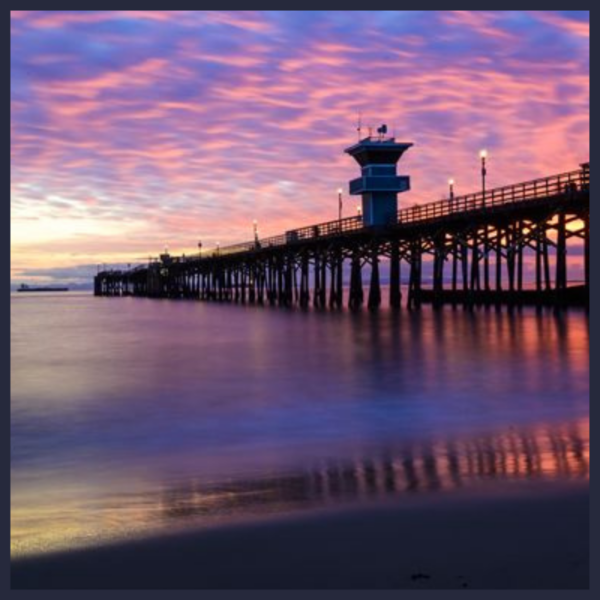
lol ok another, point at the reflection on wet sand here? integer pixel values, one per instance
(550, 453)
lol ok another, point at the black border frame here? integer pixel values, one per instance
(293, 594)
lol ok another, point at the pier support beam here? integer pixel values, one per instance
(317, 282)
(355, 300)
(438, 271)
(414, 286)
(499, 238)
(374, 288)
(288, 291)
(304, 282)
(511, 251)
(333, 283)
(561, 258)
(475, 262)
(339, 299)
(323, 288)
(586, 250)
(395, 293)
(519, 250)
(486, 258)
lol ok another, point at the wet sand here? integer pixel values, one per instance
(535, 541)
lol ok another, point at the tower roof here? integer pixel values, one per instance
(378, 151)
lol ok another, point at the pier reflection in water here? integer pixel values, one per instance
(555, 455)
(550, 453)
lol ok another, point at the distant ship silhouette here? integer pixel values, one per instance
(27, 288)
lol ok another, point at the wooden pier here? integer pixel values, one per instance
(506, 245)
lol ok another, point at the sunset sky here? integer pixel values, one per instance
(135, 130)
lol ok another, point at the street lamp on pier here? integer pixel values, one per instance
(451, 187)
(483, 155)
(340, 204)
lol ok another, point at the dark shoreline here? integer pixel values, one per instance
(514, 542)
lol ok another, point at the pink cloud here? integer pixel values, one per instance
(248, 20)
(578, 28)
(56, 19)
(482, 22)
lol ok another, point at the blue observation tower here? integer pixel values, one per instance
(379, 184)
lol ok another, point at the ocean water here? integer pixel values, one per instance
(134, 417)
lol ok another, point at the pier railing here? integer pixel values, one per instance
(327, 229)
(563, 183)
(536, 189)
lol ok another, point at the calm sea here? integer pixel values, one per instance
(134, 417)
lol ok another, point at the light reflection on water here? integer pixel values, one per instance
(543, 453)
(130, 415)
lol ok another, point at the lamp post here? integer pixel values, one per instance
(218, 248)
(359, 209)
(486, 261)
(483, 155)
(340, 204)
(199, 249)
(255, 227)
(451, 186)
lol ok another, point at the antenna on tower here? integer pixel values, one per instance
(359, 124)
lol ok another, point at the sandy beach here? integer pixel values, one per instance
(515, 542)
